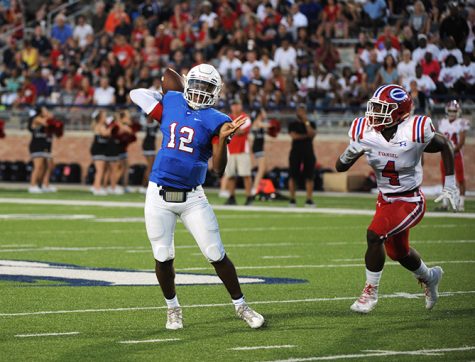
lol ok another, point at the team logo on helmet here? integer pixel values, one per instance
(389, 105)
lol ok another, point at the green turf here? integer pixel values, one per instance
(325, 250)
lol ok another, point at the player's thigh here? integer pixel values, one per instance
(392, 218)
(201, 222)
(244, 164)
(160, 224)
(459, 168)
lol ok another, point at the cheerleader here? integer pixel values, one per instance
(40, 151)
(126, 137)
(99, 146)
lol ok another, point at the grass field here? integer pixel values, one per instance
(309, 268)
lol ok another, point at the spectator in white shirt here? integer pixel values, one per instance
(450, 49)
(250, 63)
(208, 15)
(104, 95)
(299, 19)
(81, 31)
(450, 74)
(468, 70)
(285, 57)
(387, 50)
(424, 47)
(406, 68)
(266, 64)
(228, 65)
(425, 83)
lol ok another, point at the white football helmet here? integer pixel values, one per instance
(202, 86)
(453, 109)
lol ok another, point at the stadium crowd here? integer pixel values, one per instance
(273, 54)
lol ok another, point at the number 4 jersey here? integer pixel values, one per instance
(397, 162)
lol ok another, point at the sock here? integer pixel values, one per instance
(172, 303)
(445, 203)
(373, 277)
(238, 302)
(462, 201)
(422, 272)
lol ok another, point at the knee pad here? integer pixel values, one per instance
(214, 253)
(163, 253)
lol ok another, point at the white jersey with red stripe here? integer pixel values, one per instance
(397, 163)
(452, 130)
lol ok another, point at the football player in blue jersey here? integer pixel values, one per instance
(193, 131)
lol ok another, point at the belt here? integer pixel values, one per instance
(172, 194)
(413, 195)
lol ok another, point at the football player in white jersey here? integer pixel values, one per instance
(454, 128)
(393, 142)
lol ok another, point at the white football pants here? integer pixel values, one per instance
(197, 216)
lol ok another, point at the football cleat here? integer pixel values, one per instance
(431, 287)
(367, 301)
(174, 318)
(251, 317)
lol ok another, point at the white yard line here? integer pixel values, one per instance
(151, 341)
(290, 301)
(276, 209)
(46, 334)
(367, 354)
(253, 348)
(318, 266)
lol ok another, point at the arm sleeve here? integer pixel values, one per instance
(146, 99)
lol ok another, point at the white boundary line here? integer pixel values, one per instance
(420, 352)
(46, 334)
(151, 341)
(277, 209)
(253, 348)
(290, 301)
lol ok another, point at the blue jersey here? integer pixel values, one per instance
(182, 160)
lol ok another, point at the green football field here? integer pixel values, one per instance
(76, 283)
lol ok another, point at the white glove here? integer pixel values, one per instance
(353, 151)
(450, 193)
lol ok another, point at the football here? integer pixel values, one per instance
(173, 81)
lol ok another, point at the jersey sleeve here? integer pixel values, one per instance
(422, 129)
(217, 121)
(149, 101)
(357, 128)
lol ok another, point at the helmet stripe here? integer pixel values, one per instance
(378, 91)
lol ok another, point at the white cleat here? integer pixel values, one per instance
(431, 288)
(367, 301)
(251, 317)
(174, 318)
(49, 189)
(35, 190)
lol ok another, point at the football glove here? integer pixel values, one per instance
(450, 193)
(353, 151)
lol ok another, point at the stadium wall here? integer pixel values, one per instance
(74, 147)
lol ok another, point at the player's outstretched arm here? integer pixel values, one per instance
(220, 152)
(149, 101)
(352, 153)
(450, 192)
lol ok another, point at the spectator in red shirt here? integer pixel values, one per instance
(430, 66)
(27, 93)
(181, 15)
(162, 42)
(123, 51)
(239, 159)
(116, 15)
(228, 17)
(388, 34)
